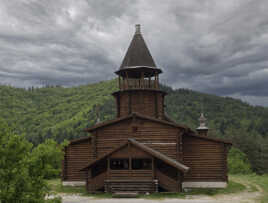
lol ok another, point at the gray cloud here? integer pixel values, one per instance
(218, 47)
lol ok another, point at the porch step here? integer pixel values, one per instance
(125, 195)
(131, 186)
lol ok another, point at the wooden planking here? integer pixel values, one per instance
(148, 103)
(77, 156)
(205, 159)
(148, 132)
(129, 185)
(166, 182)
(131, 174)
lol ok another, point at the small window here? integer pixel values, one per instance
(119, 164)
(142, 164)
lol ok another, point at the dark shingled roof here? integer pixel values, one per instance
(138, 53)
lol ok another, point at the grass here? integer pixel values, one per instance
(233, 187)
(56, 187)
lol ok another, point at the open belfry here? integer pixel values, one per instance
(142, 150)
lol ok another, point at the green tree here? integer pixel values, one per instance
(238, 162)
(49, 155)
(22, 170)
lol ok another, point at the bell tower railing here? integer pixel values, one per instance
(138, 83)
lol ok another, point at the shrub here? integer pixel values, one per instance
(238, 162)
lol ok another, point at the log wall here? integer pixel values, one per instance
(148, 103)
(77, 155)
(160, 137)
(205, 158)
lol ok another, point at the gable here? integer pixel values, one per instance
(134, 116)
(137, 146)
(156, 135)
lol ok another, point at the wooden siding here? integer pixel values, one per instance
(130, 174)
(205, 158)
(149, 103)
(160, 137)
(77, 155)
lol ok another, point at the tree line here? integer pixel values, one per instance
(63, 113)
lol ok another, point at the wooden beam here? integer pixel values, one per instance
(156, 105)
(118, 105)
(94, 145)
(127, 79)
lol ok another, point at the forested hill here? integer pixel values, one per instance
(63, 113)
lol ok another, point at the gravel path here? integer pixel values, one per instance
(76, 199)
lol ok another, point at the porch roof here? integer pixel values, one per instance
(145, 148)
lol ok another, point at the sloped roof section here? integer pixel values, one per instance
(160, 156)
(138, 53)
(104, 156)
(145, 148)
(137, 115)
(187, 130)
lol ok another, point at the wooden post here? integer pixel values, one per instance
(130, 157)
(94, 145)
(157, 78)
(155, 85)
(153, 167)
(118, 104)
(156, 105)
(127, 80)
(129, 103)
(142, 79)
(108, 168)
(225, 151)
(119, 82)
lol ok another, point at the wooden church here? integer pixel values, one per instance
(142, 150)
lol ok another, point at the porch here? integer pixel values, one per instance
(134, 167)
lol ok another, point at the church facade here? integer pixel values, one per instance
(143, 150)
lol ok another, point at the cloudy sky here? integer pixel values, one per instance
(212, 46)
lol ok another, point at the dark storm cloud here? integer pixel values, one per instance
(213, 46)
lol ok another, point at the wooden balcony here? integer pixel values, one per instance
(138, 84)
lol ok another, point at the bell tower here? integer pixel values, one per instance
(138, 78)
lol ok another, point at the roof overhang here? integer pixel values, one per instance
(136, 71)
(136, 115)
(139, 90)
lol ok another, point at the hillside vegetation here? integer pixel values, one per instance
(63, 113)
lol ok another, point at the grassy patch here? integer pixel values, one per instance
(56, 186)
(232, 187)
(260, 180)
